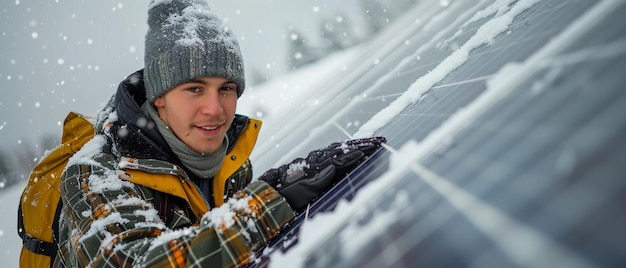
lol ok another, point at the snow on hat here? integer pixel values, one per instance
(186, 40)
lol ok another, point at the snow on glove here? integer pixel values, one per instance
(304, 179)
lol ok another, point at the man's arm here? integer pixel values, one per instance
(108, 223)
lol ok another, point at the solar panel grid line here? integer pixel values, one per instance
(388, 205)
(521, 37)
(444, 102)
(457, 59)
(576, 108)
(601, 234)
(449, 241)
(583, 23)
(467, 8)
(475, 79)
(472, 18)
(474, 138)
(381, 88)
(417, 120)
(592, 210)
(595, 137)
(394, 246)
(497, 164)
(554, 183)
(614, 48)
(595, 46)
(288, 156)
(551, 60)
(345, 82)
(416, 227)
(536, 250)
(432, 149)
(542, 18)
(504, 196)
(590, 136)
(573, 203)
(537, 131)
(516, 201)
(490, 128)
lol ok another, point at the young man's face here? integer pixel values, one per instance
(200, 111)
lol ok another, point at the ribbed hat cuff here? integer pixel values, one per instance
(182, 64)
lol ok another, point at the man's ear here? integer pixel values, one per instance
(159, 102)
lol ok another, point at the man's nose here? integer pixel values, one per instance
(211, 103)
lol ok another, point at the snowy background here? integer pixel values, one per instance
(60, 56)
(449, 82)
(69, 55)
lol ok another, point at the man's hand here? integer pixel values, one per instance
(304, 179)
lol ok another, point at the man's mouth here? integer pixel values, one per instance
(210, 128)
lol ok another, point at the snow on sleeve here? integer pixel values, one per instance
(86, 213)
(170, 235)
(99, 226)
(224, 215)
(152, 219)
(109, 181)
(218, 218)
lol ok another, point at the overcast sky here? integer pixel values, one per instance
(62, 55)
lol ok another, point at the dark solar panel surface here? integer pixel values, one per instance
(547, 160)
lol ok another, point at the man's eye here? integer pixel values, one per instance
(228, 88)
(194, 89)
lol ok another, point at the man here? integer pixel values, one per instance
(169, 148)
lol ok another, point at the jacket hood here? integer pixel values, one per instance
(135, 133)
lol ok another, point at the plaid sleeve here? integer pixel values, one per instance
(108, 222)
(227, 235)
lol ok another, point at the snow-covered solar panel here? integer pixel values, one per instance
(513, 156)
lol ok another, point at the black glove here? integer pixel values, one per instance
(304, 179)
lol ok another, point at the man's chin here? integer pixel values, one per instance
(208, 149)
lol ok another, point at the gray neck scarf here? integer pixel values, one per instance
(203, 165)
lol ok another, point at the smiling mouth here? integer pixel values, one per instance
(210, 128)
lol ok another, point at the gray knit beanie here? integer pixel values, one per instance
(186, 40)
